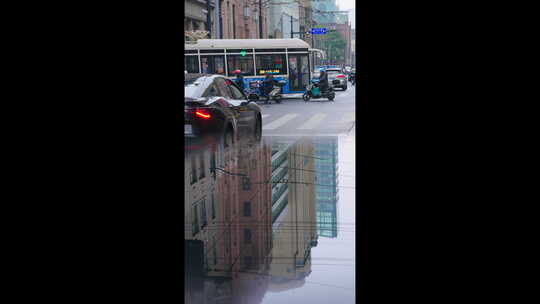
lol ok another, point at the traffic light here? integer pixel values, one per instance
(243, 53)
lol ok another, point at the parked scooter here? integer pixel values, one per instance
(314, 91)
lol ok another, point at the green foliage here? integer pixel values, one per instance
(335, 47)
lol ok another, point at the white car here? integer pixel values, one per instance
(336, 78)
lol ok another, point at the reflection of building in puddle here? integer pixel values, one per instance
(230, 214)
(326, 164)
(293, 211)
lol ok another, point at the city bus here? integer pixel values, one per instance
(287, 59)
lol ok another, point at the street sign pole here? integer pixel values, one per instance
(216, 20)
(260, 20)
(208, 21)
(292, 27)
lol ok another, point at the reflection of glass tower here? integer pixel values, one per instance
(324, 6)
(326, 164)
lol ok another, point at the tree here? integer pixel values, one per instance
(335, 47)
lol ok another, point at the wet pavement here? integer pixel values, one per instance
(271, 221)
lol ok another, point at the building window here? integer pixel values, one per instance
(247, 208)
(195, 220)
(248, 261)
(213, 207)
(204, 222)
(214, 249)
(246, 184)
(229, 21)
(213, 163)
(193, 169)
(202, 175)
(247, 236)
(234, 20)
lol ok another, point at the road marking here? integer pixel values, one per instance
(265, 115)
(279, 122)
(347, 118)
(312, 122)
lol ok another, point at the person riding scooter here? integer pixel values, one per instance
(268, 84)
(319, 88)
(239, 79)
(323, 81)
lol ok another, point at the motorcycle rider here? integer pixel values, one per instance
(268, 84)
(323, 81)
(239, 79)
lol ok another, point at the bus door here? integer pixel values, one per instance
(298, 72)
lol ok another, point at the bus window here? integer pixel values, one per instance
(298, 72)
(213, 64)
(191, 64)
(271, 63)
(242, 63)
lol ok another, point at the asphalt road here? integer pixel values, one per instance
(295, 117)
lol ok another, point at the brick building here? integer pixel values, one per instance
(294, 230)
(255, 216)
(230, 214)
(239, 19)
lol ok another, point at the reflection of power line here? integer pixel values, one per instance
(294, 222)
(304, 183)
(230, 173)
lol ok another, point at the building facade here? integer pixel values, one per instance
(282, 17)
(326, 164)
(255, 216)
(239, 19)
(319, 9)
(195, 15)
(353, 47)
(294, 219)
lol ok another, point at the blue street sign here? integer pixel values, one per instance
(318, 31)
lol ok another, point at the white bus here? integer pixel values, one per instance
(287, 59)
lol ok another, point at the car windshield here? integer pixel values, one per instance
(193, 87)
(333, 73)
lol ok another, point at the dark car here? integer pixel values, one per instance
(216, 108)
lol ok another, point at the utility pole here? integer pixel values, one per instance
(208, 21)
(216, 21)
(292, 27)
(260, 20)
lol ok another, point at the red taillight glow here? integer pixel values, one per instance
(341, 76)
(203, 114)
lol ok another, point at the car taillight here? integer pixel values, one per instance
(341, 76)
(203, 114)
